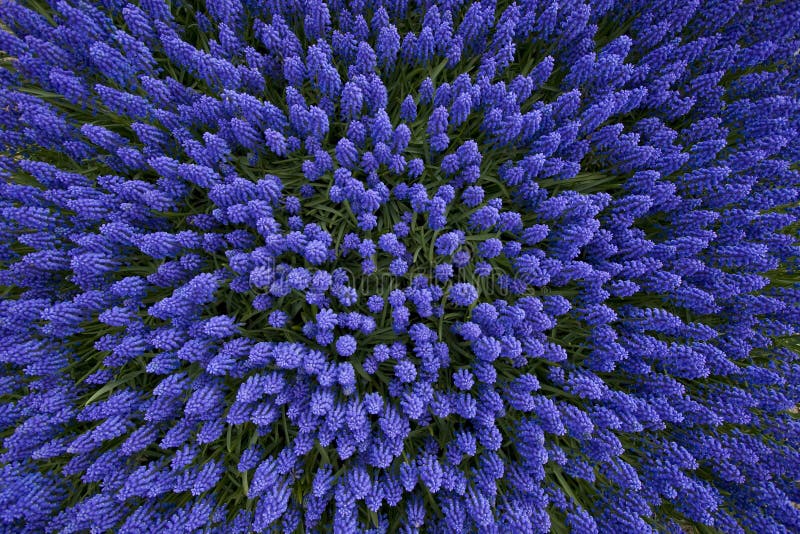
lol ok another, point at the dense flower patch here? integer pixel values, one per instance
(368, 266)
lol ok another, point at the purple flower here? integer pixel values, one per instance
(463, 294)
(346, 345)
(553, 248)
(315, 252)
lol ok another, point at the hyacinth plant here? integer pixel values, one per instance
(381, 266)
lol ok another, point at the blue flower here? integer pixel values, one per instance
(346, 345)
(463, 294)
(478, 266)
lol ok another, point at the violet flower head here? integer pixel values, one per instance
(344, 265)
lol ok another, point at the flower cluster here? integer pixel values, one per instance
(371, 266)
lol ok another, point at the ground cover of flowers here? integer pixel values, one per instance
(382, 266)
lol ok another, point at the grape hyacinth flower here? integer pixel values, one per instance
(391, 266)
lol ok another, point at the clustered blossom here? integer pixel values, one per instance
(371, 266)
